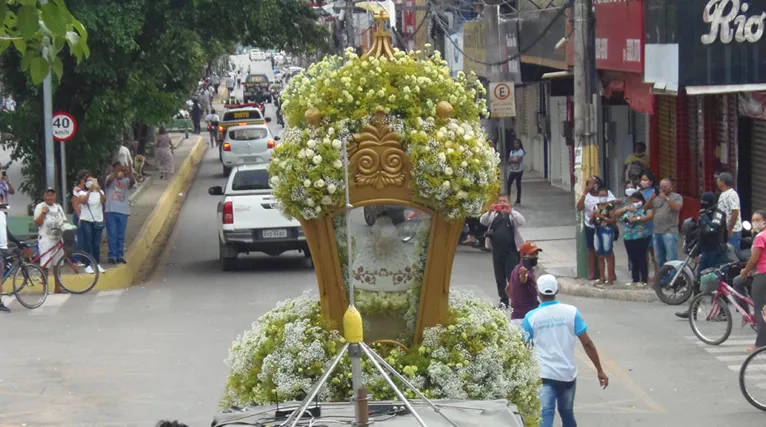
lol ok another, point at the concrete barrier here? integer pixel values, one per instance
(144, 252)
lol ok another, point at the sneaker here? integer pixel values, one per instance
(89, 270)
(112, 261)
(4, 309)
(101, 269)
(79, 264)
(122, 261)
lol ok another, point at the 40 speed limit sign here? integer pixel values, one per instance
(64, 126)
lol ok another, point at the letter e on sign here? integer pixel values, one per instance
(502, 102)
(64, 126)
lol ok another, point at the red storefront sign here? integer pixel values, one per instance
(619, 36)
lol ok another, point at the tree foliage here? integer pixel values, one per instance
(32, 26)
(146, 57)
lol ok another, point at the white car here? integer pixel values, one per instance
(257, 55)
(248, 220)
(246, 144)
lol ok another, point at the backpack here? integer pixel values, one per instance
(635, 171)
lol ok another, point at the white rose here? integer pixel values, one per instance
(331, 188)
(406, 89)
(302, 154)
(440, 135)
(461, 194)
(319, 183)
(317, 209)
(317, 159)
(307, 183)
(392, 98)
(442, 156)
(336, 144)
(446, 184)
(311, 143)
(464, 164)
(330, 131)
(309, 152)
(450, 151)
(381, 93)
(337, 164)
(326, 200)
(310, 202)
(448, 171)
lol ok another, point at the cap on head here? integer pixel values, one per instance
(529, 248)
(547, 284)
(50, 190)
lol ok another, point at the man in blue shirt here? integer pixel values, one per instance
(553, 327)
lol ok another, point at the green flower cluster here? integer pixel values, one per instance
(481, 355)
(454, 168)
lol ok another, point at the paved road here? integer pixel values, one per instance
(129, 358)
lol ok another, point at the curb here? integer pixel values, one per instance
(573, 287)
(143, 253)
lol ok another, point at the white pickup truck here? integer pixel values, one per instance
(248, 220)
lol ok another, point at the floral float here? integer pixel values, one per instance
(410, 141)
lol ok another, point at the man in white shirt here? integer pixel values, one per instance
(213, 119)
(728, 203)
(49, 217)
(553, 327)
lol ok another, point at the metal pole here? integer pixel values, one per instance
(586, 151)
(64, 169)
(350, 30)
(494, 73)
(50, 153)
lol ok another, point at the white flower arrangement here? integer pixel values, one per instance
(481, 355)
(454, 168)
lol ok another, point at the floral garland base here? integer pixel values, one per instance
(480, 356)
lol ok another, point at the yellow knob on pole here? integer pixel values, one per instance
(352, 326)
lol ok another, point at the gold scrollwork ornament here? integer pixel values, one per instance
(378, 155)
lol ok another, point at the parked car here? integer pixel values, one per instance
(248, 220)
(247, 144)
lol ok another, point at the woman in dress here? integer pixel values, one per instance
(163, 155)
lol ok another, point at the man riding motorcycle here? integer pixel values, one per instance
(712, 237)
(212, 120)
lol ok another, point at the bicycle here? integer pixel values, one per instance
(65, 266)
(759, 377)
(719, 312)
(34, 283)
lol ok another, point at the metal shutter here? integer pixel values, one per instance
(693, 169)
(726, 130)
(639, 127)
(758, 159)
(666, 117)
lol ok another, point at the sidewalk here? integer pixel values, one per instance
(145, 195)
(550, 222)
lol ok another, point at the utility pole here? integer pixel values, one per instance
(585, 127)
(495, 74)
(50, 150)
(350, 29)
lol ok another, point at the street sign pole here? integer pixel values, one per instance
(63, 128)
(64, 204)
(50, 152)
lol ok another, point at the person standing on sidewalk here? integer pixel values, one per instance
(118, 186)
(636, 164)
(637, 236)
(728, 203)
(216, 82)
(230, 82)
(516, 163)
(163, 156)
(604, 237)
(504, 238)
(587, 203)
(6, 188)
(649, 191)
(666, 207)
(553, 327)
(522, 287)
(196, 115)
(49, 217)
(80, 186)
(92, 221)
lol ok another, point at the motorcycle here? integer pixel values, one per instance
(676, 280)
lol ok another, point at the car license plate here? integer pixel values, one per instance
(274, 234)
(252, 159)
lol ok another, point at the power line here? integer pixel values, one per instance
(539, 37)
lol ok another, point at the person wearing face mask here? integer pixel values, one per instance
(522, 286)
(649, 192)
(757, 263)
(712, 237)
(92, 221)
(587, 204)
(636, 236)
(603, 240)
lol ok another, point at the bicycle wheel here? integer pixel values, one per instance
(752, 378)
(30, 285)
(73, 277)
(710, 319)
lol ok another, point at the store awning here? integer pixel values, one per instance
(719, 89)
(558, 75)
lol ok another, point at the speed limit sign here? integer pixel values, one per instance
(64, 126)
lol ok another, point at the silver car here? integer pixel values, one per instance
(246, 144)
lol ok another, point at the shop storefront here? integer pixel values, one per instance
(703, 61)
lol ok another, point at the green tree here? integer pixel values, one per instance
(147, 56)
(31, 26)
